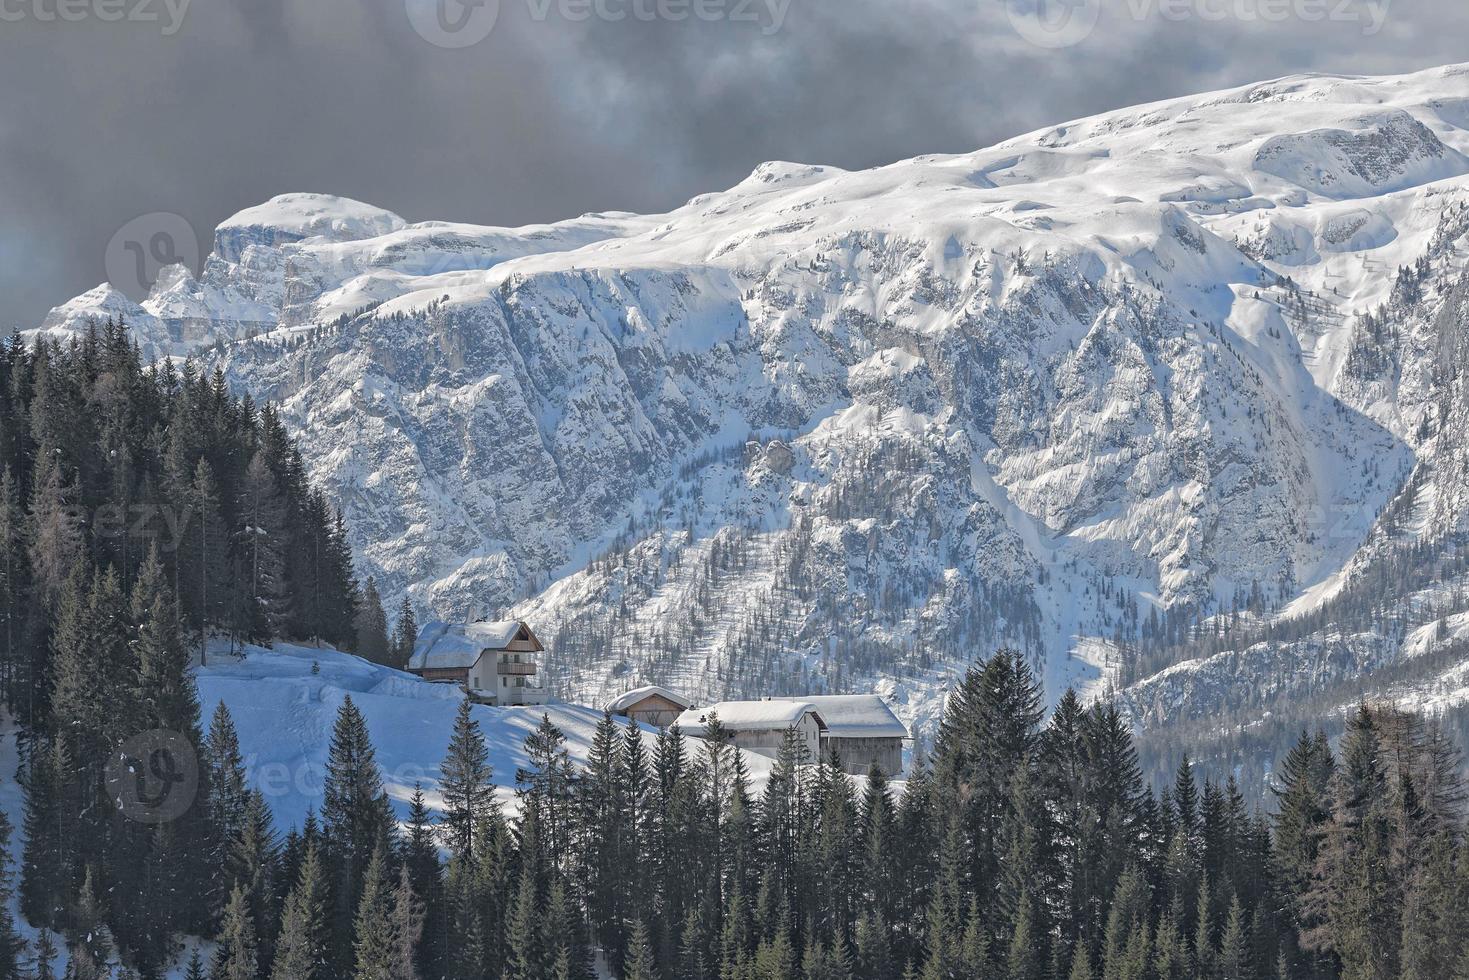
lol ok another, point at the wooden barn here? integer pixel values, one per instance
(652, 705)
(495, 663)
(760, 726)
(862, 730)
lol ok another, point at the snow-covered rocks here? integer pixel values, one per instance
(830, 429)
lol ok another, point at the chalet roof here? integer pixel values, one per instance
(748, 716)
(856, 716)
(624, 702)
(457, 646)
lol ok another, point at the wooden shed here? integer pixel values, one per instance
(651, 705)
(862, 730)
(760, 726)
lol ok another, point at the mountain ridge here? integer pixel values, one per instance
(831, 429)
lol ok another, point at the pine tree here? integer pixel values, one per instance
(195, 969)
(528, 957)
(640, 964)
(356, 819)
(228, 799)
(376, 945)
(1355, 894)
(421, 861)
(47, 873)
(1235, 957)
(17, 662)
(45, 957)
(690, 949)
(371, 624)
(55, 539)
(11, 944)
(262, 541)
(407, 920)
(469, 796)
(301, 950)
(1435, 917)
(236, 957)
(203, 552)
(405, 634)
(1081, 964)
(600, 809)
(88, 939)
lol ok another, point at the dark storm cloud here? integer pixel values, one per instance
(550, 117)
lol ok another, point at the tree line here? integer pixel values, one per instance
(104, 461)
(1020, 850)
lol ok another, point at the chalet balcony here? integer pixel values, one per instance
(515, 670)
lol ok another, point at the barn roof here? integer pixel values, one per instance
(457, 646)
(749, 716)
(624, 702)
(856, 716)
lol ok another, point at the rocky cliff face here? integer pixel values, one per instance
(831, 429)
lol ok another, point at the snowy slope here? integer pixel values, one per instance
(828, 430)
(284, 702)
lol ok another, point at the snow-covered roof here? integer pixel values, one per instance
(856, 716)
(456, 646)
(625, 701)
(749, 716)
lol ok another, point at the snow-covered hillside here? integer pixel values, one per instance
(285, 700)
(831, 430)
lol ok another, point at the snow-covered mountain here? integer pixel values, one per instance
(830, 430)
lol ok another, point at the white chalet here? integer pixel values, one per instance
(494, 663)
(760, 726)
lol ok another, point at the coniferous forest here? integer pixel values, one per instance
(1022, 847)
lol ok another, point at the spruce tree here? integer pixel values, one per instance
(375, 944)
(407, 921)
(236, 956)
(48, 869)
(640, 963)
(371, 624)
(301, 949)
(1236, 961)
(469, 796)
(11, 944)
(203, 553)
(17, 662)
(88, 939)
(405, 634)
(262, 546)
(356, 819)
(1355, 895)
(44, 961)
(53, 533)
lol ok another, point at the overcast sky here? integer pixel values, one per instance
(553, 114)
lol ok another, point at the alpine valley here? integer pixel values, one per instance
(1171, 399)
